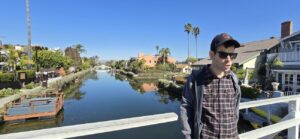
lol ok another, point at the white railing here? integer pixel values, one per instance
(290, 93)
(287, 56)
(93, 128)
(290, 122)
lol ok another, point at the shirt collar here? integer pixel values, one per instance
(210, 75)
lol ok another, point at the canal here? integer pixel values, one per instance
(103, 96)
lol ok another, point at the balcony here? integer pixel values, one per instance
(286, 57)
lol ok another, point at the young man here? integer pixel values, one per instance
(211, 97)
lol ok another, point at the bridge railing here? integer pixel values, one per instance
(290, 122)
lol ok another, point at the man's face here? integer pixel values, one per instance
(221, 60)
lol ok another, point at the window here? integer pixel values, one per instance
(279, 78)
(291, 79)
(297, 46)
(288, 79)
(288, 88)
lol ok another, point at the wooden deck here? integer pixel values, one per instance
(33, 106)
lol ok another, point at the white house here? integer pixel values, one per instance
(288, 52)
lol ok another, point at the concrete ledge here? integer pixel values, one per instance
(93, 128)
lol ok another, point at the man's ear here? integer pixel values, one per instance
(211, 55)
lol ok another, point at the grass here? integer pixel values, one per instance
(264, 114)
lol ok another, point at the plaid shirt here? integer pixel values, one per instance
(219, 100)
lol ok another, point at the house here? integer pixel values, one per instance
(288, 52)
(250, 54)
(148, 87)
(185, 68)
(4, 56)
(152, 60)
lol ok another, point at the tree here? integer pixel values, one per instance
(188, 28)
(240, 72)
(157, 48)
(111, 63)
(80, 48)
(53, 59)
(137, 66)
(24, 61)
(191, 60)
(93, 61)
(120, 64)
(164, 54)
(13, 57)
(196, 32)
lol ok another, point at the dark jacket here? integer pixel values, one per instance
(191, 105)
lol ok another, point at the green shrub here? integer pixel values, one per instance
(7, 77)
(30, 85)
(248, 92)
(166, 67)
(264, 114)
(8, 92)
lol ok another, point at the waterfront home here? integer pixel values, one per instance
(288, 52)
(152, 60)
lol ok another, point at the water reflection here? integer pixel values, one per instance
(143, 86)
(73, 92)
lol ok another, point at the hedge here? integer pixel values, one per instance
(248, 92)
(7, 77)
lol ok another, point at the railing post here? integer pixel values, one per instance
(269, 115)
(294, 110)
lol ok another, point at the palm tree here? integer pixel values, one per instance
(164, 53)
(196, 32)
(188, 28)
(28, 30)
(80, 48)
(157, 48)
(13, 58)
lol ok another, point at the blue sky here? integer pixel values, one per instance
(120, 29)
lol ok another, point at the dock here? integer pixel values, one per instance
(33, 106)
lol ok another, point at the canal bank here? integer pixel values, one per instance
(53, 84)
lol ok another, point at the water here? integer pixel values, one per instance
(102, 96)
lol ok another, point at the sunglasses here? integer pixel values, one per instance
(224, 55)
